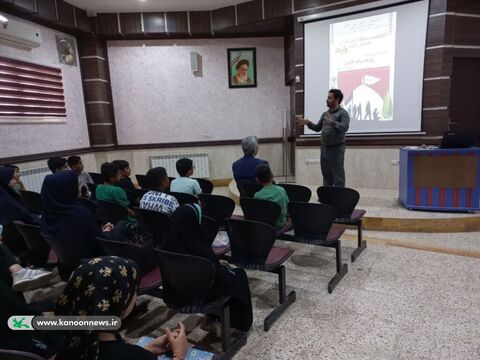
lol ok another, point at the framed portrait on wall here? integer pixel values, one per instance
(242, 68)
(67, 51)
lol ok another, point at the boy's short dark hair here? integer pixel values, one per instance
(56, 163)
(73, 161)
(11, 166)
(121, 164)
(109, 170)
(184, 165)
(263, 173)
(337, 94)
(155, 176)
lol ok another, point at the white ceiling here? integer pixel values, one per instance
(101, 6)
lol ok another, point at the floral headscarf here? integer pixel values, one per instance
(99, 286)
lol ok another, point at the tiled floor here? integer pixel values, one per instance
(394, 303)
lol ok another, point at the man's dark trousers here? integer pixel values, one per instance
(331, 161)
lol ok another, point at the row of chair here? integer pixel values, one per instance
(251, 247)
(343, 201)
(295, 192)
(162, 274)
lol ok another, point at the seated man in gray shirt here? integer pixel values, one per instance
(333, 125)
(156, 200)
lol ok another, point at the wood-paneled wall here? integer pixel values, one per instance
(453, 31)
(97, 91)
(58, 14)
(252, 18)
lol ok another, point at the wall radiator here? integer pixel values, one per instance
(200, 161)
(33, 178)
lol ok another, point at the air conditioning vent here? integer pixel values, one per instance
(20, 35)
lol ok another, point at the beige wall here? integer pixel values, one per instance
(364, 167)
(220, 158)
(157, 98)
(20, 139)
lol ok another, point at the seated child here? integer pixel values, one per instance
(184, 184)
(271, 192)
(109, 191)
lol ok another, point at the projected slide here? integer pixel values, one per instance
(376, 58)
(362, 61)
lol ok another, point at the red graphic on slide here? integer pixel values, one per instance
(376, 78)
(367, 93)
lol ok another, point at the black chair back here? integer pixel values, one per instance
(209, 229)
(97, 178)
(186, 280)
(297, 193)
(154, 222)
(183, 198)
(32, 201)
(248, 190)
(111, 212)
(260, 210)
(140, 193)
(170, 179)
(250, 242)
(93, 190)
(217, 207)
(38, 248)
(67, 256)
(88, 204)
(18, 355)
(342, 199)
(205, 185)
(142, 181)
(129, 251)
(311, 222)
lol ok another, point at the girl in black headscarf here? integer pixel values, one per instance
(106, 286)
(12, 209)
(186, 238)
(11, 204)
(7, 174)
(73, 229)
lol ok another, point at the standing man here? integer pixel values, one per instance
(333, 124)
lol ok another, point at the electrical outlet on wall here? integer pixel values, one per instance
(395, 162)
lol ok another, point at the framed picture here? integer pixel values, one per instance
(67, 51)
(242, 68)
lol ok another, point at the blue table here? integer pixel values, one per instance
(440, 179)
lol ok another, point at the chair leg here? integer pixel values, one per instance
(225, 328)
(229, 347)
(361, 243)
(342, 269)
(284, 300)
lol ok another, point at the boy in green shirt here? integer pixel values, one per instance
(109, 191)
(271, 192)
